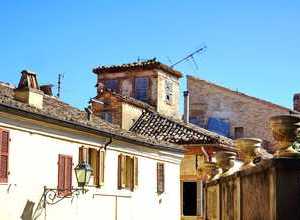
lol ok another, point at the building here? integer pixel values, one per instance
(231, 113)
(143, 97)
(43, 139)
(149, 82)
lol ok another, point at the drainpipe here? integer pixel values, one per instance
(186, 114)
(107, 143)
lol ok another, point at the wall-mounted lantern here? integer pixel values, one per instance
(83, 173)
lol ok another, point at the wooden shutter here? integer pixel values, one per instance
(101, 167)
(61, 175)
(121, 171)
(160, 178)
(65, 164)
(129, 173)
(4, 151)
(81, 154)
(136, 172)
(141, 88)
(68, 174)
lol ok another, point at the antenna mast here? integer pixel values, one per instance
(60, 78)
(190, 56)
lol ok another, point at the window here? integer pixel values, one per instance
(160, 178)
(168, 91)
(192, 198)
(127, 172)
(4, 151)
(64, 175)
(238, 132)
(111, 84)
(96, 159)
(107, 116)
(141, 88)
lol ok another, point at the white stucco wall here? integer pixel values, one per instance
(33, 157)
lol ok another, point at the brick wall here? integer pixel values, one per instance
(209, 100)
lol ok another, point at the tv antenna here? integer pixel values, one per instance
(190, 57)
(59, 82)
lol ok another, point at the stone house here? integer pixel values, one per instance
(42, 139)
(143, 97)
(231, 113)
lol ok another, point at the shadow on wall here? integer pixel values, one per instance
(27, 211)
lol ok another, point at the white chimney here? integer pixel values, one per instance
(28, 90)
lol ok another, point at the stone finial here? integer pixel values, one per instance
(284, 129)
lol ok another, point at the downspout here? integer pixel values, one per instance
(107, 143)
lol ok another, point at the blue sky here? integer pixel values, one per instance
(252, 46)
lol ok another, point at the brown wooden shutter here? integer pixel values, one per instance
(61, 174)
(80, 155)
(136, 172)
(101, 167)
(121, 171)
(129, 172)
(4, 152)
(68, 174)
(160, 178)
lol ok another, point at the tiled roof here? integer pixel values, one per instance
(160, 127)
(241, 94)
(56, 111)
(141, 65)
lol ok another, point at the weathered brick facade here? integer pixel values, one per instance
(245, 114)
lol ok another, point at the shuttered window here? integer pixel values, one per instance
(111, 84)
(65, 165)
(141, 88)
(127, 172)
(4, 152)
(96, 159)
(160, 178)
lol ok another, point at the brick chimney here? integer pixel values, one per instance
(47, 89)
(28, 90)
(297, 102)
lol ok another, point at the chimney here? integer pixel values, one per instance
(47, 89)
(28, 90)
(297, 102)
(186, 114)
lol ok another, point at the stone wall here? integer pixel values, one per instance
(210, 100)
(270, 190)
(164, 107)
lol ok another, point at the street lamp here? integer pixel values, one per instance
(83, 173)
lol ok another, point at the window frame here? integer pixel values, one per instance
(169, 91)
(147, 93)
(160, 177)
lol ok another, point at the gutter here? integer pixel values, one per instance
(81, 127)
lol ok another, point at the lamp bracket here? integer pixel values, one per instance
(53, 195)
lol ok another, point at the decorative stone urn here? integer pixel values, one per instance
(284, 129)
(226, 161)
(248, 147)
(208, 170)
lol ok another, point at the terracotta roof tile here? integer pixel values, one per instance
(141, 65)
(54, 109)
(161, 127)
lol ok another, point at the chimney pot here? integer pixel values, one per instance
(47, 89)
(297, 102)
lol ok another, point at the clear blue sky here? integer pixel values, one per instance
(252, 46)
